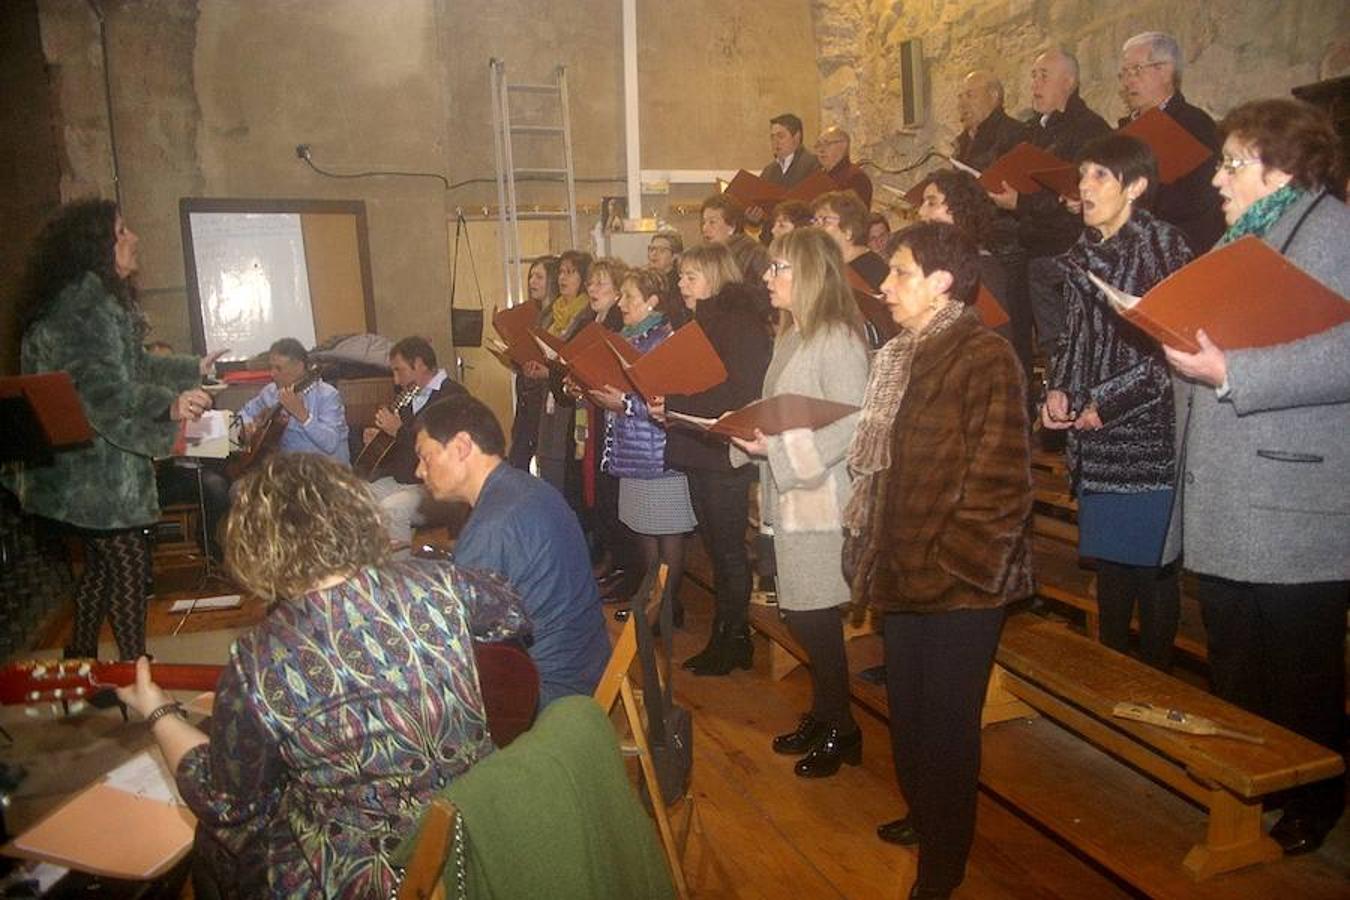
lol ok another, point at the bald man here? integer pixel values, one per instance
(832, 149)
(1063, 125)
(987, 132)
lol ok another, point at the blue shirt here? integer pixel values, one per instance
(522, 529)
(326, 430)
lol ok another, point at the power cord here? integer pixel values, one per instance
(303, 152)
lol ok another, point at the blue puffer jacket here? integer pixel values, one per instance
(635, 446)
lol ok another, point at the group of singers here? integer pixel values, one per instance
(918, 505)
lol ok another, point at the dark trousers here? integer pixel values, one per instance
(1017, 303)
(721, 502)
(178, 484)
(113, 587)
(530, 396)
(1157, 590)
(821, 634)
(937, 670)
(1046, 292)
(1278, 650)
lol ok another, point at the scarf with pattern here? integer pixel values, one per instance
(563, 311)
(869, 455)
(1262, 214)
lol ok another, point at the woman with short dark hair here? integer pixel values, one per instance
(1265, 517)
(80, 315)
(1109, 387)
(541, 287)
(342, 713)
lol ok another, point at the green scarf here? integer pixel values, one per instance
(651, 321)
(1262, 214)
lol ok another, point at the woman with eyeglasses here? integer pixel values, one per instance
(842, 216)
(820, 352)
(1265, 517)
(1109, 387)
(732, 317)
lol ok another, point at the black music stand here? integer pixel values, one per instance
(42, 414)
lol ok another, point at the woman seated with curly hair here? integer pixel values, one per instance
(343, 712)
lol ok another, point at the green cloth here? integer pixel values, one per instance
(125, 393)
(553, 815)
(1261, 215)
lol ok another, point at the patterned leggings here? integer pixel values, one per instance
(116, 566)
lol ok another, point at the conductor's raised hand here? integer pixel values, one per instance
(190, 404)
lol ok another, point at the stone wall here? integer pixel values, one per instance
(1234, 50)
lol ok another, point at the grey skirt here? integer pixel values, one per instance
(656, 505)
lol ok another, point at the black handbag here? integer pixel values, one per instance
(670, 728)
(466, 325)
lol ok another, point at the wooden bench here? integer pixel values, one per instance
(1077, 682)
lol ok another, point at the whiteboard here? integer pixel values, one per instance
(252, 280)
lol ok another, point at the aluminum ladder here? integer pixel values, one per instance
(504, 131)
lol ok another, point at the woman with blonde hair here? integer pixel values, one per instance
(728, 312)
(804, 483)
(340, 714)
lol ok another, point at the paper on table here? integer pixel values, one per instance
(145, 775)
(208, 436)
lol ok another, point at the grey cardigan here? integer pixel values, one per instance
(1265, 485)
(804, 481)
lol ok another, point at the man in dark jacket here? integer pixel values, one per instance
(1062, 124)
(987, 132)
(832, 150)
(791, 163)
(394, 481)
(1150, 76)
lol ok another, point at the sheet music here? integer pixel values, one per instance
(145, 775)
(1117, 298)
(962, 167)
(209, 436)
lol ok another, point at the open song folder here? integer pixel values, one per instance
(685, 363)
(772, 415)
(1243, 295)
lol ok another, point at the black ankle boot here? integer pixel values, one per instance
(833, 750)
(808, 733)
(735, 651)
(715, 638)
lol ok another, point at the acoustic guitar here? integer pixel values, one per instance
(507, 675)
(267, 437)
(368, 462)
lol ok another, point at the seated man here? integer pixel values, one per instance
(318, 420)
(522, 529)
(394, 481)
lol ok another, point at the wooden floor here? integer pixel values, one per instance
(764, 833)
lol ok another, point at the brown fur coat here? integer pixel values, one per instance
(954, 525)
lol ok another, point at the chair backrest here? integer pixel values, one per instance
(422, 879)
(620, 661)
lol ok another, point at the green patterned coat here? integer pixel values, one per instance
(126, 394)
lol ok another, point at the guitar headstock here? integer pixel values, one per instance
(51, 681)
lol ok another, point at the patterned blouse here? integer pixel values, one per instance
(336, 720)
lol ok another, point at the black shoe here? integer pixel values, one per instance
(1297, 835)
(612, 585)
(826, 757)
(734, 651)
(808, 733)
(918, 893)
(711, 651)
(899, 831)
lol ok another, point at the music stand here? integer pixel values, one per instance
(42, 414)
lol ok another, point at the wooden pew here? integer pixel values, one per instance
(1077, 682)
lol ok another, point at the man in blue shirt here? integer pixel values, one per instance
(318, 420)
(522, 529)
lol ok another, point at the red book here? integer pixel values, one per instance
(515, 324)
(685, 363)
(772, 415)
(989, 308)
(1015, 167)
(1176, 149)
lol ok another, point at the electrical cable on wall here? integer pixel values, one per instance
(303, 152)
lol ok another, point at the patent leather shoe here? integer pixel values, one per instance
(899, 831)
(807, 734)
(827, 756)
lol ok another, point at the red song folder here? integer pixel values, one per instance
(772, 415)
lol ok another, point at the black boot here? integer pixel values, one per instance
(833, 750)
(808, 733)
(735, 651)
(712, 650)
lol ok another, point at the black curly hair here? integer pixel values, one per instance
(80, 237)
(972, 210)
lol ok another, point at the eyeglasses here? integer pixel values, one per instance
(778, 267)
(1136, 70)
(820, 144)
(824, 220)
(1231, 164)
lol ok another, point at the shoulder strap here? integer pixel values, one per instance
(1303, 217)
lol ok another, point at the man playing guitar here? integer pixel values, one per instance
(317, 418)
(394, 481)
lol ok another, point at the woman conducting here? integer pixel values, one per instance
(820, 352)
(1109, 386)
(1265, 512)
(80, 316)
(937, 533)
(344, 711)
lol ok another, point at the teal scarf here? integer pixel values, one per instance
(1262, 214)
(653, 319)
